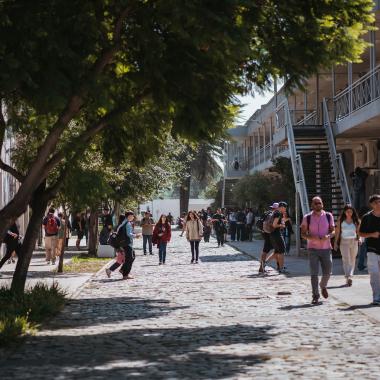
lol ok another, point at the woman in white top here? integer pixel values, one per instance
(347, 239)
(194, 233)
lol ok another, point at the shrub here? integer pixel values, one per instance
(20, 314)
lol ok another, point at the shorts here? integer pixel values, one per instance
(267, 243)
(278, 243)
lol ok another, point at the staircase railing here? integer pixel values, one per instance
(298, 174)
(336, 158)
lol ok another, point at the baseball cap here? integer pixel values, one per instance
(282, 204)
(274, 205)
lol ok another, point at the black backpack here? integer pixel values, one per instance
(260, 222)
(119, 239)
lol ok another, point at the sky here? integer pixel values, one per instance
(252, 104)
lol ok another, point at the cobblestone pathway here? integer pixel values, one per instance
(214, 320)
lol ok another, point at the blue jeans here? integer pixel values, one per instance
(162, 251)
(147, 239)
(362, 255)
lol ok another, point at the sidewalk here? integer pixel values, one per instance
(357, 297)
(39, 271)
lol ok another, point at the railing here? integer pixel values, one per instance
(359, 94)
(298, 117)
(299, 178)
(337, 161)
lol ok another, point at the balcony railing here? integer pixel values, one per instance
(298, 117)
(359, 94)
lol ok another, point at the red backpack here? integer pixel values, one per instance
(51, 227)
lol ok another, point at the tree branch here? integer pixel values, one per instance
(12, 171)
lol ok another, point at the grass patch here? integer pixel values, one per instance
(21, 314)
(85, 264)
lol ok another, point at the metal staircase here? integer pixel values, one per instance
(317, 168)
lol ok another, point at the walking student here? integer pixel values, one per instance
(240, 225)
(207, 227)
(318, 228)
(51, 225)
(12, 242)
(120, 254)
(194, 233)
(219, 222)
(128, 247)
(276, 237)
(147, 224)
(347, 239)
(61, 237)
(370, 229)
(162, 234)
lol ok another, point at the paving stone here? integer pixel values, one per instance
(214, 320)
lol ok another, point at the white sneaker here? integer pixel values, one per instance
(52, 262)
(108, 272)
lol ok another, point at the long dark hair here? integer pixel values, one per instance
(196, 217)
(159, 223)
(355, 216)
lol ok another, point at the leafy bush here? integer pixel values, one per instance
(20, 314)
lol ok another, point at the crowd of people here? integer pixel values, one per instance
(350, 235)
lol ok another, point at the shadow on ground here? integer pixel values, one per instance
(223, 258)
(156, 353)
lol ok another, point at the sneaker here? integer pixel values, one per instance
(349, 282)
(315, 300)
(108, 272)
(196, 262)
(325, 293)
(218, 245)
(160, 263)
(192, 261)
(144, 253)
(52, 262)
(13, 261)
(151, 253)
(376, 302)
(9, 261)
(47, 262)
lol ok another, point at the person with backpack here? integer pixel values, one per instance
(232, 221)
(162, 234)
(347, 240)
(318, 228)
(263, 224)
(219, 223)
(120, 256)
(51, 225)
(194, 233)
(370, 230)
(127, 246)
(12, 241)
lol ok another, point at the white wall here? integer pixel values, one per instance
(164, 206)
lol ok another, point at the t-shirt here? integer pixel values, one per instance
(45, 221)
(320, 225)
(371, 223)
(276, 214)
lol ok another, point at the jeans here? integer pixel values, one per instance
(240, 227)
(233, 230)
(362, 255)
(323, 257)
(147, 239)
(194, 245)
(162, 251)
(129, 259)
(373, 263)
(287, 241)
(349, 251)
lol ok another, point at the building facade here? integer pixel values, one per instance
(330, 130)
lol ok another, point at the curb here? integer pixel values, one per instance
(76, 293)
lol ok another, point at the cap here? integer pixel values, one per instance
(274, 205)
(282, 204)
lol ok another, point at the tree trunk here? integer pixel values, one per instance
(61, 256)
(184, 195)
(38, 205)
(93, 233)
